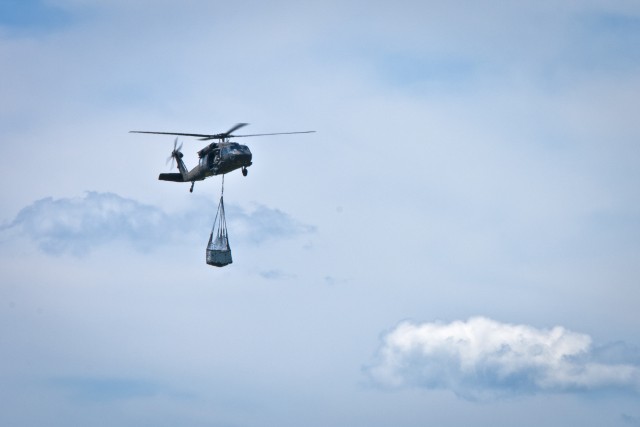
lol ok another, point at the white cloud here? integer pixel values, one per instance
(483, 358)
(77, 225)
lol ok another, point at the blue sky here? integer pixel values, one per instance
(32, 15)
(459, 242)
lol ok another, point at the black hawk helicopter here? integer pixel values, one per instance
(215, 159)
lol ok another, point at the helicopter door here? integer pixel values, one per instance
(210, 160)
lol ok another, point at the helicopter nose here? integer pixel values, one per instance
(243, 157)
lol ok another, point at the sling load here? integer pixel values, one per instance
(218, 250)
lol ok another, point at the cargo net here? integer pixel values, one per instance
(218, 250)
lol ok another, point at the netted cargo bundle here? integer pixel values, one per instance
(218, 250)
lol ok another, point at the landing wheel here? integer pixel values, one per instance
(244, 171)
(192, 184)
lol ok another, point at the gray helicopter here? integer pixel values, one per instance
(215, 159)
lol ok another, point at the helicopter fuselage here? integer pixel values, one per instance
(224, 158)
(215, 159)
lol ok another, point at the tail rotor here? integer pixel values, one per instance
(175, 153)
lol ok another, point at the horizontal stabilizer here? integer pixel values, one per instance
(175, 177)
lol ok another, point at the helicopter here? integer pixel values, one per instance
(215, 159)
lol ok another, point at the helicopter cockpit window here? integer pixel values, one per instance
(230, 149)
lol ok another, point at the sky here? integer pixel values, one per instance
(457, 244)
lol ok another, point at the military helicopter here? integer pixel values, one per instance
(216, 158)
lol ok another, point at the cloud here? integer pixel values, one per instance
(482, 358)
(276, 275)
(78, 225)
(330, 280)
(264, 223)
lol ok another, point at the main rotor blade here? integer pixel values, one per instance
(236, 127)
(172, 133)
(265, 134)
(226, 135)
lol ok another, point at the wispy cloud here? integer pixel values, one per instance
(78, 225)
(263, 223)
(482, 358)
(276, 275)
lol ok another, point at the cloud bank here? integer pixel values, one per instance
(78, 225)
(482, 358)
